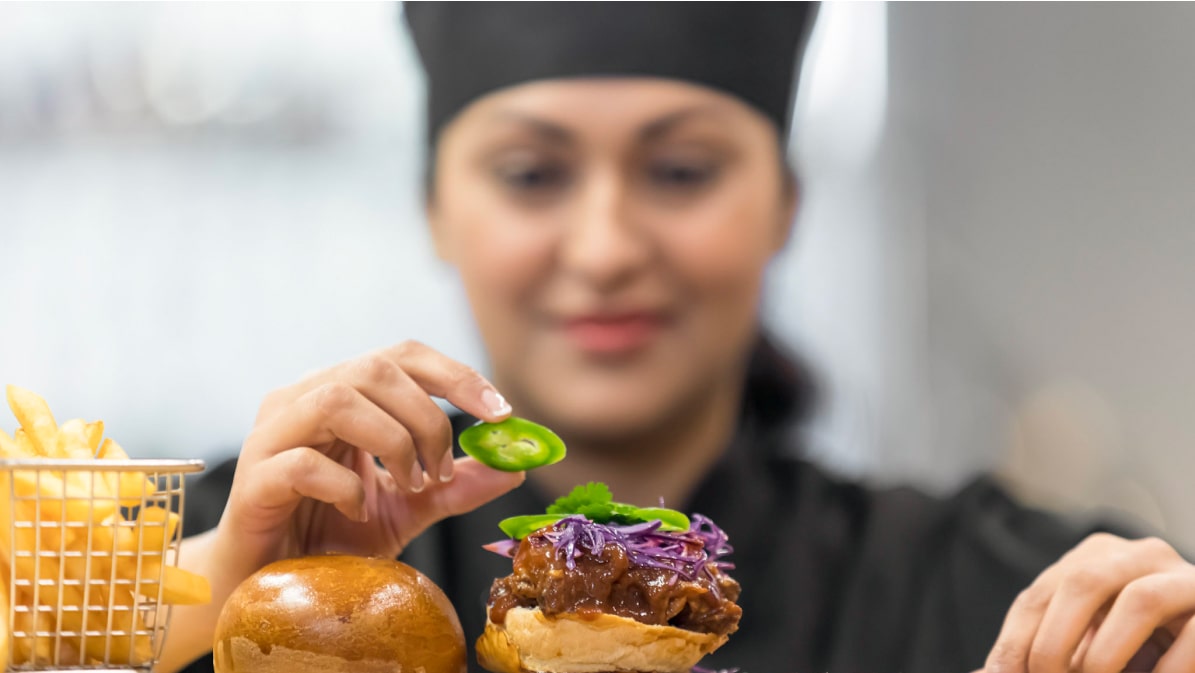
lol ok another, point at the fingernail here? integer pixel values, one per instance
(446, 466)
(416, 483)
(494, 402)
(363, 516)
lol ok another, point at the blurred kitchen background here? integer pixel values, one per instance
(995, 266)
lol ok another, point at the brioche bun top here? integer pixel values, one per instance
(338, 613)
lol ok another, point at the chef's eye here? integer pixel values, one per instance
(674, 174)
(532, 177)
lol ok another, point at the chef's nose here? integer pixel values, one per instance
(603, 243)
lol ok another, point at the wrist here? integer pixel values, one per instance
(193, 627)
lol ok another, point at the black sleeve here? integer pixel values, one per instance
(206, 497)
(999, 549)
(930, 580)
(938, 576)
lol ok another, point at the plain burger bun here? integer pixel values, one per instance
(530, 642)
(338, 614)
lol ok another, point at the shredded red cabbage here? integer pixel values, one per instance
(506, 547)
(689, 553)
(698, 669)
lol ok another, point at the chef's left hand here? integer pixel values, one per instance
(1108, 605)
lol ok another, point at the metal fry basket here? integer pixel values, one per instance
(90, 547)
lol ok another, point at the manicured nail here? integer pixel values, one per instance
(494, 402)
(416, 484)
(446, 466)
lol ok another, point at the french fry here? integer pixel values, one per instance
(34, 415)
(179, 587)
(157, 526)
(72, 440)
(27, 647)
(133, 646)
(8, 446)
(133, 487)
(55, 496)
(110, 450)
(88, 489)
(95, 433)
(25, 446)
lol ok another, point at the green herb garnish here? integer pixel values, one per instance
(594, 502)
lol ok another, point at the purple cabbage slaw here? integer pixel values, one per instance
(689, 553)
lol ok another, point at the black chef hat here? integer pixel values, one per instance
(748, 49)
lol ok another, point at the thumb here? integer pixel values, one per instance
(472, 486)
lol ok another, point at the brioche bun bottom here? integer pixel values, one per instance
(249, 657)
(530, 642)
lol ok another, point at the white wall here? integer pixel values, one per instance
(1054, 150)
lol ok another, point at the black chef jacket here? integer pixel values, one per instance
(836, 577)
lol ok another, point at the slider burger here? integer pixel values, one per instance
(605, 587)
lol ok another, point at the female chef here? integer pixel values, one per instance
(610, 183)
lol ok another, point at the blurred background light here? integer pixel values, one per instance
(840, 113)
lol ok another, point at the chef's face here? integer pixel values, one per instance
(611, 236)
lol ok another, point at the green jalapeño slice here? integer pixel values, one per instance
(512, 445)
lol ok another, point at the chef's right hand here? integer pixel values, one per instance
(306, 481)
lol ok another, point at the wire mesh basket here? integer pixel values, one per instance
(91, 547)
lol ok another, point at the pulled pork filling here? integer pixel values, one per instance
(609, 583)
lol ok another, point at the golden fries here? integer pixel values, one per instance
(85, 554)
(133, 487)
(35, 418)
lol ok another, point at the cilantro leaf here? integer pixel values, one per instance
(596, 511)
(595, 493)
(623, 513)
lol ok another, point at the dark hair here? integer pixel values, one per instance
(781, 388)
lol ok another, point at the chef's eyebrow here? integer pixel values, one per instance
(662, 126)
(546, 130)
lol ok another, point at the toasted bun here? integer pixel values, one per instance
(338, 614)
(530, 642)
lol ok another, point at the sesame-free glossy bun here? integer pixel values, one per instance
(338, 614)
(528, 641)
